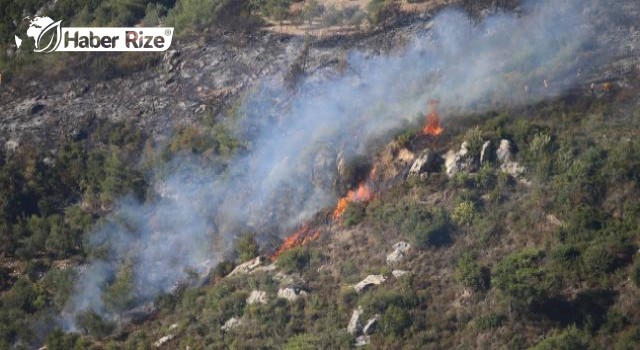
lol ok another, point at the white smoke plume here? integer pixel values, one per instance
(504, 59)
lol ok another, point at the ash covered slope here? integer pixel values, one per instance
(208, 72)
(198, 75)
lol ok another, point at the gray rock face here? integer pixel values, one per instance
(371, 325)
(423, 163)
(399, 273)
(247, 267)
(231, 323)
(505, 159)
(257, 297)
(370, 280)
(503, 153)
(462, 160)
(162, 341)
(362, 340)
(485, 153)
(400, 249)
(291, 293)
(355, 325)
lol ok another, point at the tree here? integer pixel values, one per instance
(521, 278)
(246, 247)
(120, 295)
(472, 275)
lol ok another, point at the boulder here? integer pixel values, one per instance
(231, 323)
(167, 338)
(462, 160)
(257, 296)
(505, 159)
(247, 267)
(355, 325)
(371, 325)
(503, 153)
(399, 273)
(369, 281)
(400, 249)
(362, 340)
(485, 153)
(291, 293)
(423, 163)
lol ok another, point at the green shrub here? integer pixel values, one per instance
(628, 340)
(295, 259)
(93, 324)
(395, 321)
(491, 321)
(354, 213)
(569, 339)
(464, 213)
(425, 227)
(472, 275)
(379, 11)
(247, 247)
(521, 277)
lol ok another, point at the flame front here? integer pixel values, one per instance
(301, 237)
(432, 125)
(362, 194)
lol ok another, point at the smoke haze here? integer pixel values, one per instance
(294, 137)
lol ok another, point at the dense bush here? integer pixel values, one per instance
(424, 226)
(521, 277)
(471, 274)
(246, 247)
(294, 259)
(570, 339)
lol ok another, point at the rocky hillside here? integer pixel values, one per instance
(504, 217)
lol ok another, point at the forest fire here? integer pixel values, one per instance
(301, 237)
(362, 194)
(432, 125)
(307, 233)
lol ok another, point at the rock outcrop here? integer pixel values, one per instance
(423, 163)
(505, 159)
(371, 325)
(462, 160)
(247, 267)
(399, 273)
(370, 280)
(400, 249)
(355, 325)
(257, 297)
(162, 341)
(231, 323)
(291, 293)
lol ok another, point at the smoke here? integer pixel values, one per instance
(295, 138)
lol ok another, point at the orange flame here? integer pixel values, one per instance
(432, 126)
(362, 194)
(301, 237)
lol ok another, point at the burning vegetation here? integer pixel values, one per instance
(301, 237)
(363, 193)
(432, 126)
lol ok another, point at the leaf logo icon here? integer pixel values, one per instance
(54, 40)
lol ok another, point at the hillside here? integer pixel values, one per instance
(378, 174)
